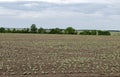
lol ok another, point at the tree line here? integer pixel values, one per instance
(95, 32)
(68, 30)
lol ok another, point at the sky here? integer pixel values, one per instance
(79, 14)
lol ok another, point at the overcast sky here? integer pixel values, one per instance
(80, 14)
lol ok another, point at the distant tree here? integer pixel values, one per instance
(56, 31)
(2, 30)
(93, 32)
(41, 31)
(85, 32)
(8, 30)
(100, 32)
(25, 30)
(70, 30)
(33, 28)
(18, 31)
(107, 33)
(14, 30)
(103, 32)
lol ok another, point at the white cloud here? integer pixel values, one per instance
(44, 14)
(30, 5)
(4, 12)
(107, 13)
(18, 13)
(69, 1)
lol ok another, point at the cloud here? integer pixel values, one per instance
(68, 1)
(87, 8)
(96, 14)
(46, 10)
(30, 5)
(36, 9)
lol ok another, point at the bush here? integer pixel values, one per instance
(95, 32)
(85, 32)
(2, 30)
(41, 31)
(56, 31)
(70, 30)
(104, 33)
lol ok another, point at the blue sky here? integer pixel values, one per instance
(80, 14)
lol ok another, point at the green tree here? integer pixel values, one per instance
(18, 31)
(33, 28)
(2, 30)
(25, 30)
(85, 32)
(103, 32)
(56, 31)
(14, 30)
(93, 32)
(107, 33)
(8, 30)
(70, 30)
(41, 31)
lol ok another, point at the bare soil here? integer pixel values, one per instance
(37, 55)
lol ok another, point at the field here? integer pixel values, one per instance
(115, 33)
(35, 55)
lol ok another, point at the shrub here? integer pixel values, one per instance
(70, 30)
